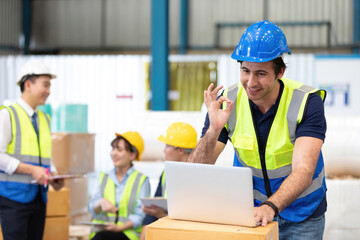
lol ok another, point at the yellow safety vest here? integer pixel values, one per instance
(279, 146)
(27, 148)
(126, 205)
(163, 185)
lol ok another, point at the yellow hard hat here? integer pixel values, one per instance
(135, 139)
(180, 134)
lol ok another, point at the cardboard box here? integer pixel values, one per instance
(56, 228)
(82, 217)
(78, 189)
(58, 202)
(170, 229)
(73, 153)
(79, 232)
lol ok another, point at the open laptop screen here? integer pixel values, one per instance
(210, 193)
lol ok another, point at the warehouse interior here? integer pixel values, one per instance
(139, 65)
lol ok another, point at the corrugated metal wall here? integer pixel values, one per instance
(126, 23)
(10, 26)
(97, 23)
(66, 23)
(339, 13)
(204, 15)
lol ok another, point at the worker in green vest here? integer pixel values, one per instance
(277, 127)
(116, 201)
(25, 156)
(180, 139)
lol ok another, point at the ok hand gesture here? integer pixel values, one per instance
(217, 116)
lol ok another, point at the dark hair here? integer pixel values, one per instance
(32, 78)
(128, 146)
(278, 65)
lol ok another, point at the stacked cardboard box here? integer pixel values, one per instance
(166, 228)
(73, 153)
(57, 210)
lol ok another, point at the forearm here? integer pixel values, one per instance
(205, 151)
(295, 184)
(25, 168)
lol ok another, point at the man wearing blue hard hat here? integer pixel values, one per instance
(277, 127)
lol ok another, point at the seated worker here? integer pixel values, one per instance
(116, 200)
(180, 139)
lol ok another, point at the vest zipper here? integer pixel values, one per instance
(262, 154)
(263, 168)
(40, 163)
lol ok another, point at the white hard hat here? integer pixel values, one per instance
(33, 67)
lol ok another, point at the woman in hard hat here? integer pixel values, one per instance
(116, 204)
(180, 139)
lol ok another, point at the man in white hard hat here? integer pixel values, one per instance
(25, 156)
(180, 139)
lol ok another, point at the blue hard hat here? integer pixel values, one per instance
(261, 42)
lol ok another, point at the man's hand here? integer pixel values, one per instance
(217, 116)
(57, 184)
(107, 206)
(264, 214)
(39, 174)
(154, 211)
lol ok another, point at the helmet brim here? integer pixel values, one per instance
(52, 76)
(254, 59)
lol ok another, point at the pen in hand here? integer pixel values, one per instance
(116, 216)
(46, 181)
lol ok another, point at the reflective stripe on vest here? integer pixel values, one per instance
(163, 185)
(126, 205)
(25, 144)
(278, 154)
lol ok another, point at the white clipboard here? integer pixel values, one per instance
(157, 201)
(101, 225)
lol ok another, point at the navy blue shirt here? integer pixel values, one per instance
(149, 218)
(313, 125)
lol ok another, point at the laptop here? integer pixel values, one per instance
(210, 193)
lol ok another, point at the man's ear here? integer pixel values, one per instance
(27, 84)
(281, 73)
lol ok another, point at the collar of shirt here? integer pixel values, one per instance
(113, 177)
(28, 109)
